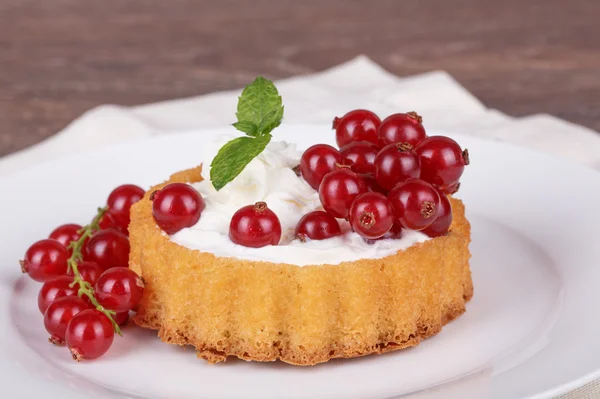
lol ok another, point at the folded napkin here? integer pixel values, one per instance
(316, 98)
(444, 104)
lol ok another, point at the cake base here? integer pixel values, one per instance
(306, 315)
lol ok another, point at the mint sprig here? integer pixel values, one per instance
(233, 158)
(259, 111)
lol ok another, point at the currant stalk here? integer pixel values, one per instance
(85, 288)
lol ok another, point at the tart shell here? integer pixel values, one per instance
(305, 315)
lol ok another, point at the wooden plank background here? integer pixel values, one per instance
(59, 58)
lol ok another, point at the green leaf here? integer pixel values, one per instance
(233, 158)
(259, 111)
(260, 104)
(247, 127)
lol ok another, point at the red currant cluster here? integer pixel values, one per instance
(387, 175)
(88, 288)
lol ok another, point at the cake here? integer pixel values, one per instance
(384, 279)
(301, 315)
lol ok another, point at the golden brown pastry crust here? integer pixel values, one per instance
(301, 315)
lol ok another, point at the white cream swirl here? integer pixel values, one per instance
(270, 178)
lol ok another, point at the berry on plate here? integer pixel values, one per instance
(45, 260)
(451, 189)
(66, 233)
(59, 314)
(53, 289)
(120, 201)
(108, 248)
(121, 318)
(119, 289)
(89, 335)
(88, 271)
(108, 222)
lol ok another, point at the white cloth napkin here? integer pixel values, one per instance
(316, 98)
(359, 83)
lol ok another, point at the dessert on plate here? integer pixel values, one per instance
(267, 253)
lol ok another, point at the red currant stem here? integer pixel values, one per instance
(260, 206)
(296, 170)
(415, 116)
(86, 288)
(404, 147)
(342, 166)
(335, 122)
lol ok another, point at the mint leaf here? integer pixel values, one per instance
(233, 157)
(259, 111)
(247, 127)
(271, 120)
(260, 104)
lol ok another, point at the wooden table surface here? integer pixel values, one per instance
(59, 58)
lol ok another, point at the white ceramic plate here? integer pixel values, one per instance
(531, 330)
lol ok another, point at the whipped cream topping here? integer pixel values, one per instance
(270, 178)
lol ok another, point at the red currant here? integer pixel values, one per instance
(120, 201)
(119, 289)
(442, 160)
(59, 313)
(53, 289)
(255, 226)
(121, 318)
(360, 155)
(108, 222)
(372, 184)
(442, 223)
(415, 203)
(88, 271)
(317, 161)
(45, 260)
(357, 125)
(339, 189)
(371, 215)
(108, 248)
(317, 225)
(401, 128)
(394, 233)
(176, 206)
(396, 163)
(451, 189)
(89, 335)
(66, 234)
